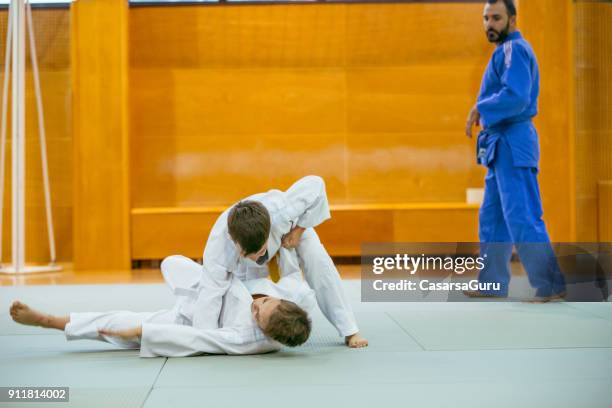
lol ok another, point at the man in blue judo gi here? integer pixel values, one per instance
(508, 146)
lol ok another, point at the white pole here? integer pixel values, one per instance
(7, 74)
(18, 124)
(16, 53)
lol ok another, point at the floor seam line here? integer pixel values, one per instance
(154, 382)
(405, 331)
(588, 312)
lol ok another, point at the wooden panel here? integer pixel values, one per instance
(586, 208)
(249, 102)
(199, 126)
(259, 102)
(100, 73)
(405, 34)
(412, 167)
(555, 121)
(231, 125)
(375, 112)
(238, 36)
(441, 225)
(415, 98)
(155, 236)
(605, 211)
(347, 230)
(417, 79)
(224, 169)
(158, 233)
(593, 60)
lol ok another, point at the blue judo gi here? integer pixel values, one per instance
(508, 146)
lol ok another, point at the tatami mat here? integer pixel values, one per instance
(558, 394)
(506, 326)
(421, 354)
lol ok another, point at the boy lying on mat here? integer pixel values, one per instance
(257, 316)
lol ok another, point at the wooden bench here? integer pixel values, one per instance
(161, 231)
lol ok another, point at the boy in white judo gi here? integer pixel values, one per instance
(248, 234)
(256, 317)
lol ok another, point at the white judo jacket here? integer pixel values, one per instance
(304, 204)
(237, 332)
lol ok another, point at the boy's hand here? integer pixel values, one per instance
(126, 334)
(292, 238)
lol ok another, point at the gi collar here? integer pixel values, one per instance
(512, 36)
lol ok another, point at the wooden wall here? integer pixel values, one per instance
(235, 100)
(52, 33)
(198, 106)
(542, 21)
(101, 197)
(594, 120)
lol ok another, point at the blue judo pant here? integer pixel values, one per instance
(512, 214)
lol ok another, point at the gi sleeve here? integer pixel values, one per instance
(291, 283)
(307, 202)
(171, 340)
(515, 94)
(288, 264)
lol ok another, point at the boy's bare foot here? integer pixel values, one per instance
(22, 313)
(355, 341)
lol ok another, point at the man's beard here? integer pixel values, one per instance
(498, 37)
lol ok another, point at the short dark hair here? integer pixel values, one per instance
(510, 6)
(289, 324)
(248, 223)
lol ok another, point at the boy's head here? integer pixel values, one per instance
(281, 320)
(248, 223)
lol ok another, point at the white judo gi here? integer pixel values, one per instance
(170, 333)
(305, 205)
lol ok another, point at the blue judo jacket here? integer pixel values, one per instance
(507, 101)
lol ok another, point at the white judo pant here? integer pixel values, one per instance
(86, 325)
(323, 277)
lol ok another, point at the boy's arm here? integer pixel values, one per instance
(288, 264)
(307, 201)
(171, 340)
(291, 282)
